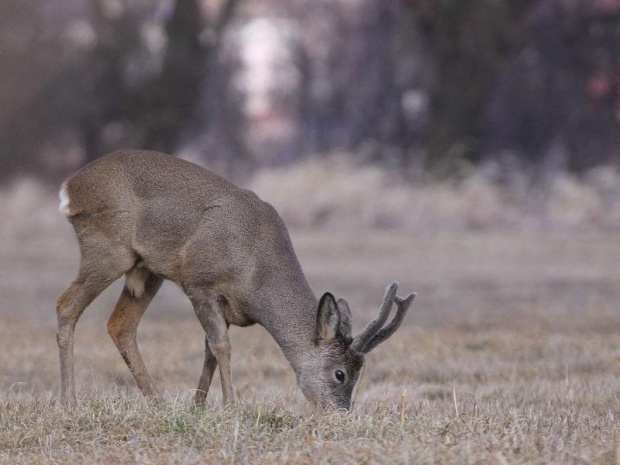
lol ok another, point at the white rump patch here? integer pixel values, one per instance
(64, 200)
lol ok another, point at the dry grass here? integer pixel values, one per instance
(337, 191)
(510, 355)
(522, 398)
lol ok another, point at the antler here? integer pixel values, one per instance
(373, 334)
(402, 305)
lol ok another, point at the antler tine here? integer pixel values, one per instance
(402, 308)
(375, 325)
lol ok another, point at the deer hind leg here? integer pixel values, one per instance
(140, 288)
(208, 369)
(95, 275)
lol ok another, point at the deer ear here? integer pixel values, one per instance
(327, 319)
(345, 318)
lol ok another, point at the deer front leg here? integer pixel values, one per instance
(210, 314)
(207, 375)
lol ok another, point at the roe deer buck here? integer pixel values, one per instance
(152, 217)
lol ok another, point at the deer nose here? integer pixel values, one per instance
(341, 404)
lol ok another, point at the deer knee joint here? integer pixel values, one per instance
(220, 348)
(69, 295)
(64, 337)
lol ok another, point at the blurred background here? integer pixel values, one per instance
(428, 88)
(503, 112)
(467, 148)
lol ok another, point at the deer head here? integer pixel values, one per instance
(329, 378)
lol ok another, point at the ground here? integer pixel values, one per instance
(510, 354)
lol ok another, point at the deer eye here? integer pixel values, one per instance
(340, 376)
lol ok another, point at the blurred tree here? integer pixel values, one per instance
(592, 129)
(466, 42)
(150, 111)
(412, 83)
(36, 71)
(220, 131)
(321, 57)
(351, 96)
(131, 77)
(555, 102)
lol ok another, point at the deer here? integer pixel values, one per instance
(155, 217)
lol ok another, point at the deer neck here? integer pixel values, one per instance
(291, 320)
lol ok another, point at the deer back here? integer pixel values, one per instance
(183, 223)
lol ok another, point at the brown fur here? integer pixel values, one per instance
(151, 217)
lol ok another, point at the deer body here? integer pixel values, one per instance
(152, 217)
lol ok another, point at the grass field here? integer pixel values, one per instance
(511, 354)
